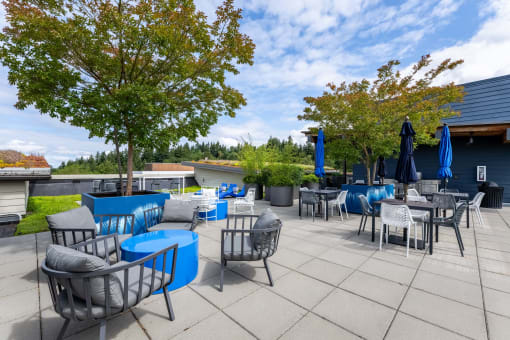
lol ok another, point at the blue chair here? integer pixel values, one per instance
(241, 193)
(229, 192)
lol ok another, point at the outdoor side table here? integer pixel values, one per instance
(221, 211)
(142, 245)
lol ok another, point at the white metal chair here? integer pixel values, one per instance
(398, 216)
(420, 215)
(475, 206)
(246, 202)
(207, 203)
(340, 201)
(413, 193)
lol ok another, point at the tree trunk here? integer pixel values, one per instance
(119, 165)
(374, 170)
(369, 175)
(129, 186)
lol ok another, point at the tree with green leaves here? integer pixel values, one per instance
(142, 73)
(364, 117)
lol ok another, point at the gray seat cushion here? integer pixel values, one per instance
(266, 220)
(99, 311)
(171, 226)
(69, 260)
(79, 218)
(178, 211)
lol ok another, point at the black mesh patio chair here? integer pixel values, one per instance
(250, 238)
(85, 287)
(453, 222)
(444, 202)
(77, 225)
(366, 212)
(310, 198)
(178, 215)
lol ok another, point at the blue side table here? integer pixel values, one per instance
(222, 211)
(142, 245)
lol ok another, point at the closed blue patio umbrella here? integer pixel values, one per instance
(445, 156)
(319, 155)
(406, 170)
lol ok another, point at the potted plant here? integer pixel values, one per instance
(252, 162)
(310, 181)
(282, 181)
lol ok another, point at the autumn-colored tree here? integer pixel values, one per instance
(139, 73)
(365, 116)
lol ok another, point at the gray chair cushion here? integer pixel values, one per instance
(79, 218)
(178, 211)
(171, 226)
(266, 220)
(99, 311)
(69, 260)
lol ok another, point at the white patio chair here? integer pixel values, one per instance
(475, 206)
(398, 216)
(246, 202)
(413, 193)
(340, 201)
(420, 215)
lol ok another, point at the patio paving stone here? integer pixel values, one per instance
(388, 270)
(406, 327)
(326, 271)
(499, 327)
(497, 302)
(314, 327)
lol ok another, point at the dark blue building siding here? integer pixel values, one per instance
(488, 151)
(485, 102)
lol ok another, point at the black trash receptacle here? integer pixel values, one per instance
(493, 195)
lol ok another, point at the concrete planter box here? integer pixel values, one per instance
(105, 203)
(372, 192)
(282, 196)
(267, 197)
(312, 186)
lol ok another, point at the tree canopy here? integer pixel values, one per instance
(363, 119)
(139, 73)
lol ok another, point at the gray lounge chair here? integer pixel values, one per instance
(77, 225)
(366, 212)
(176, 214)
(453, 222)
(250, 238)
(84, 287)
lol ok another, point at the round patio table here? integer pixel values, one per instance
(221, 211)
(186, 268)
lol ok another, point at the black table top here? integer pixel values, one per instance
(411, 204)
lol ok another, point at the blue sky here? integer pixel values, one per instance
(301, 46)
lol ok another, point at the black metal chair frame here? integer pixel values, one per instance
(269, 236)
(453, 222)
(153, 216)
(60, 283)
(316, 200)
(92, 231)
(365, 213)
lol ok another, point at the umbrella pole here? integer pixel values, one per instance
(405, 192)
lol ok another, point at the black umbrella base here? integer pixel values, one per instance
(401, 241)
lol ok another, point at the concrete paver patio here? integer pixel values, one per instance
(330, 283)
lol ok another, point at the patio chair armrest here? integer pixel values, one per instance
(194, 220)
(84, 232)
(152, 216)
(114, 221)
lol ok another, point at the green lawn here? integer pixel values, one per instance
(39, 207)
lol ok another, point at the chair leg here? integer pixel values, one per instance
(169, 307)
(341, 214)
(365, 223)
(437, 233)
(346, 213)
(63, 329)
(102, 330)
(407, 245)
(459, 241)
(381, 236)
(221, 274)
(268, 272)
(360, 224)
(415, 237)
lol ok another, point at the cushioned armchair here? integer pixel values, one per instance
(176, 214)
(84, 287)
(250, 238)
(77, 225)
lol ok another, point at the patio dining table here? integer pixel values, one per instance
(323, 195)
(424, 206)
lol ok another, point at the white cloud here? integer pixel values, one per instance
(26, 147)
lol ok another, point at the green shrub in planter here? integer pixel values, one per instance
(310, 178)
(285, 175)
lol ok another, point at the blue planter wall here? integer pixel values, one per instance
(136, 205)
(488, 151)
(373, 193)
